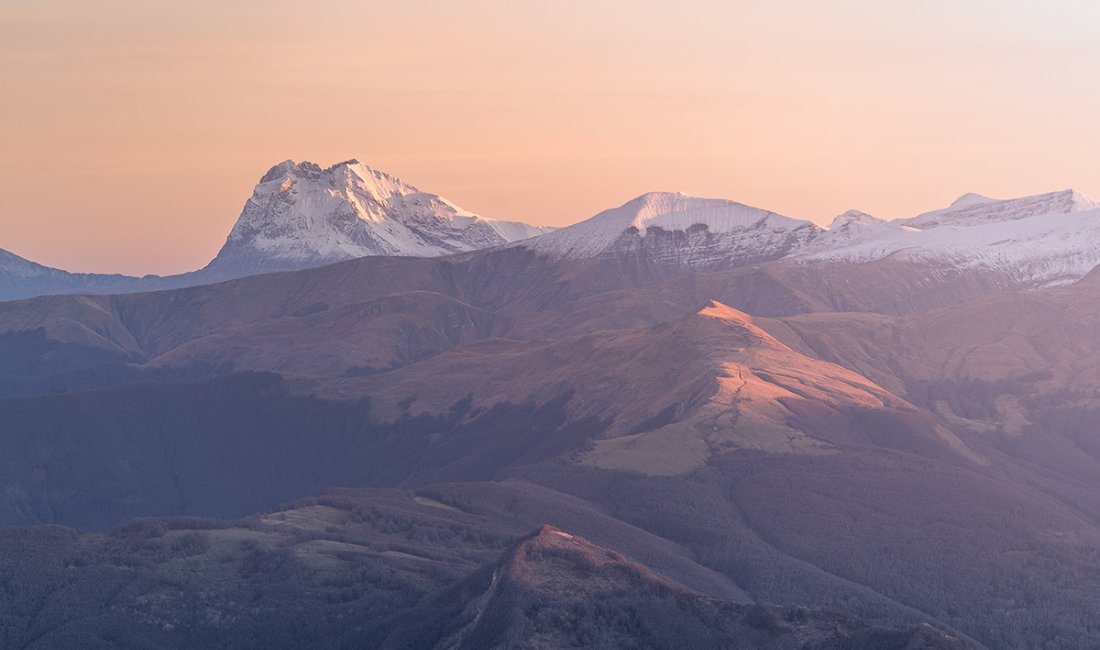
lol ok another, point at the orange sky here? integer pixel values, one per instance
(132, 131)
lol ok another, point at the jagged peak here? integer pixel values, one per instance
(350, 179)
(335, 174)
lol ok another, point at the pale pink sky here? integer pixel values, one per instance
(132, 131)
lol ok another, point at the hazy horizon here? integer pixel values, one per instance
(321, 406)
(135, 132)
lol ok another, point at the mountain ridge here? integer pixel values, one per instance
(301, 215)
(503, 366)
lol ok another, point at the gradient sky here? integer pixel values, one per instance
(132, 131)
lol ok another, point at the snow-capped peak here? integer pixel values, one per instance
(677, 211)
(301, 214)
(350, 179)
(748, 232)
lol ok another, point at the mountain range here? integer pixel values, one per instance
(301, 216)
(683, 421)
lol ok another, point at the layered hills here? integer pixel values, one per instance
(553, 589)
(893, 421)
(803, 456)
(387, 568)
